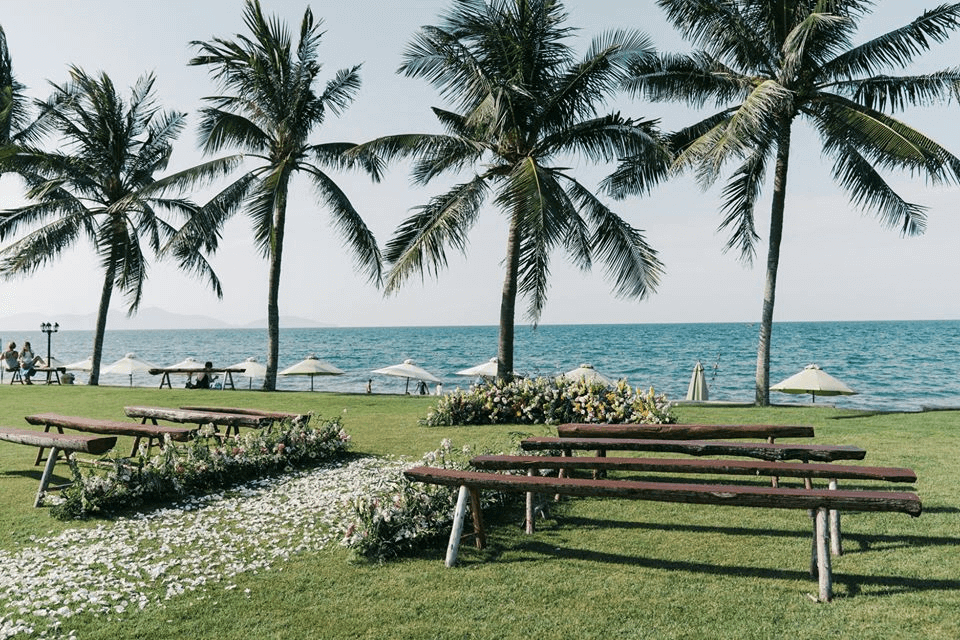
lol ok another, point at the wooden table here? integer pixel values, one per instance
(232, 421)
(53, 373)
(166, 371)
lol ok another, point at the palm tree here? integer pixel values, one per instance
(103, 188)
(767, 64)
(271, 115)
(524, 101)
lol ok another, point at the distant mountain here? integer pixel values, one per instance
(146, 319)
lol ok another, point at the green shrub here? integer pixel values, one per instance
(204, 464)
(549, 401)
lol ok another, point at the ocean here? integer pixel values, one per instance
(892, 365)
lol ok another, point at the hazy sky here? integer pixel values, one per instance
(837, 263)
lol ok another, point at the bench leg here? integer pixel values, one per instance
(477, 513)
(836, 543)
(45, 478)
(453, 547)
(528, 520)
(824, 576)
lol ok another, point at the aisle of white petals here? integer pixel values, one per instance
(137, 562)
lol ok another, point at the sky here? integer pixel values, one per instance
(837, 263)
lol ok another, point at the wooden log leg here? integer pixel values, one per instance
(836, 543)
(599, 473)
(825, 578)
(45, 478)
(808, 484)
(457, 530)
(774, 480)
(478, 532)
(528, 518)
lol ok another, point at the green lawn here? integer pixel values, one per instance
(595, 568)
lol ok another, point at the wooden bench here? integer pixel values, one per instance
(683, 431)
(277, 416)
(471, 482)
(759, 450)
(232, 421)
(56, 442)
(165, 372)
(808, 471)
(153, 433)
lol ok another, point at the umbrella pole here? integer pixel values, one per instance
(407, 388)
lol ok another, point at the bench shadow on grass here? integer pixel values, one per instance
(854, 583)
(530, 550)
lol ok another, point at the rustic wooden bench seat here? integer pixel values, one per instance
(277, 416)
(683, 431)
(471, 482)
(759, 450)
(153, 433)
(232, 421)
(806, 470)
(56, 442)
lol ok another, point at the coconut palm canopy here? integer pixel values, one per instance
(525, 105)
(767, 65)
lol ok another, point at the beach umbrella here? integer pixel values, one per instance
(187, 363)
(311, 366)
(251, 369)
(697, 391)
(487, 369)
(587, 373)
(407, 369)
(815, 381)
(128, 365)
(82, 365)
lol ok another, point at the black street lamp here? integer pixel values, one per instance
(47, 328)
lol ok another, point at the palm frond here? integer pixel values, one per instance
(739, 202)
(694, 79)
(631, 263)
(895, 49)
(348, 223)
(896, 93)
(419, 244)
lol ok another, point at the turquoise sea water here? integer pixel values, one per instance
(893, 365)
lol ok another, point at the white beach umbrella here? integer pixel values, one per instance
(815, 381)
(187, 363)
(486, 370)
(697, 391)
(311, 366)
(82, 365)
(587, 373)
(128, 365)
(407, 369)
(251, 369)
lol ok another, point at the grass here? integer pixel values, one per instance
(595, 568)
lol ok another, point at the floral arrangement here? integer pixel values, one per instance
(403, 515)
(204, 464)
(550, 401)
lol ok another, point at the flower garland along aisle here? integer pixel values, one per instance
(207, 463)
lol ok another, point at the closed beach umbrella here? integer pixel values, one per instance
(486, 370)
(128, 365)
(587, 373)
(815, 381)
(697, 391)
(251, 369)
(312, 366)
(407, 369)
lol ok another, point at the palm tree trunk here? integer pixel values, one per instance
(773, 263)
(101, 330)
(508, 302)
(273, 293)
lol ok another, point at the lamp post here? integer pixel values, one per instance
(47, 328)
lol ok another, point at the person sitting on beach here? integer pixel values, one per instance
(28, 361)
(11, 357)
(204, 380)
